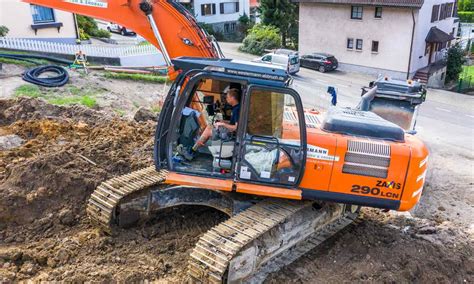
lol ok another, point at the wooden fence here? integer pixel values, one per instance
(88, 49)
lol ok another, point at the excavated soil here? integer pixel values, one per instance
(68, 151)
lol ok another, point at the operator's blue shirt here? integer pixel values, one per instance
(234, 117)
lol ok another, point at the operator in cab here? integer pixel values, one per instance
(232, 98)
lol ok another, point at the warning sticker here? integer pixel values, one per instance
(265, 174)
(92, 3)
(244, 173)
(315, 152)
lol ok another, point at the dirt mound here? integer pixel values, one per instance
(72, 150)
(386, 248)
(45, 183)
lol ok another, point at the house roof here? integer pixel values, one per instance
(392, 3)
(437, 35)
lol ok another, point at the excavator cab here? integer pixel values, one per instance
(268, 144)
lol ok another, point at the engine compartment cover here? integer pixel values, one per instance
(361, 123)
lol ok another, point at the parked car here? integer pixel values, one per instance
(115, 28)
(290, 62)
(320, 61)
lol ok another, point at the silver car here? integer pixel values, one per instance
(290, 62)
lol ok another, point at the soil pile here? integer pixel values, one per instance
(45, 183)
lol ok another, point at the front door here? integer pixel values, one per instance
(273, 136)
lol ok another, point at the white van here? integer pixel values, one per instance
(290, 62)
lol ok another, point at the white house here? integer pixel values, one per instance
(36, 22)
(398, 38)
(223, 15)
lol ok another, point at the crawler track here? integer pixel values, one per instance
(103, 202)
(263, 239)
(245, 248)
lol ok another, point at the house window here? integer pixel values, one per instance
(435, 13)
(427, 48)
(229, 7)
(359, 44)
(42, 14)
(442, 12)
(356, 12)
(208, 9)
(375, 46)
(449, 10)
(378, 12)
(230, 27)
(350, 43)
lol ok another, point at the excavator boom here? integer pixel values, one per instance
(179, 32)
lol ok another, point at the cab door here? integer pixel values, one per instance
(272, 132)
(160, 151)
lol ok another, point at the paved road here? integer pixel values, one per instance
(446, 117)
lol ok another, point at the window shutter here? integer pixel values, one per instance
(221, 8)
(213, 9)
(202, 10)
(237, 7)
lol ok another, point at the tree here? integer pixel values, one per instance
(282, 14)
(3, 31)
(244, 24)
(465, 5)
(455, 60)
(261, 37)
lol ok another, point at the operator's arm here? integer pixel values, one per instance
(230, 127)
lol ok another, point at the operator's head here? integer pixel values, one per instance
(233, 97)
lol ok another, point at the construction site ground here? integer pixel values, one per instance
(52, 158)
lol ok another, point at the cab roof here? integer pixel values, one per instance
(233, 67)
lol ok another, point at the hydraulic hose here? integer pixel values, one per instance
(33, 76)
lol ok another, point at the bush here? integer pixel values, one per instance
(101, 34)
(3, 31)
(83, 35)
(210, 30)
(261, 37)
(466, 17)
(244, 24)
(88, 28)
(454, 63)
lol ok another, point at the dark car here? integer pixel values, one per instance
(320, 61)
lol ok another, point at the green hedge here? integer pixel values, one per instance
(466, 17)
(261, 37)
(88, 28)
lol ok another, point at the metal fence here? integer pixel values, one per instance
(62, 48)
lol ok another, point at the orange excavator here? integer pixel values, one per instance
(288, 178)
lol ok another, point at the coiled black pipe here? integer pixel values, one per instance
(33, 76)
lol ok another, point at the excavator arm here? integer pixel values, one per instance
(165, 24)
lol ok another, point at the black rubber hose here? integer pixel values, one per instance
(33, 76)
(27, 57)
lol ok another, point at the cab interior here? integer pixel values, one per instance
(269, 133)
(206, 105)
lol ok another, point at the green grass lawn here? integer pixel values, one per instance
(467, 71)
(61, 96)
(136, 77)
(20, 62)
